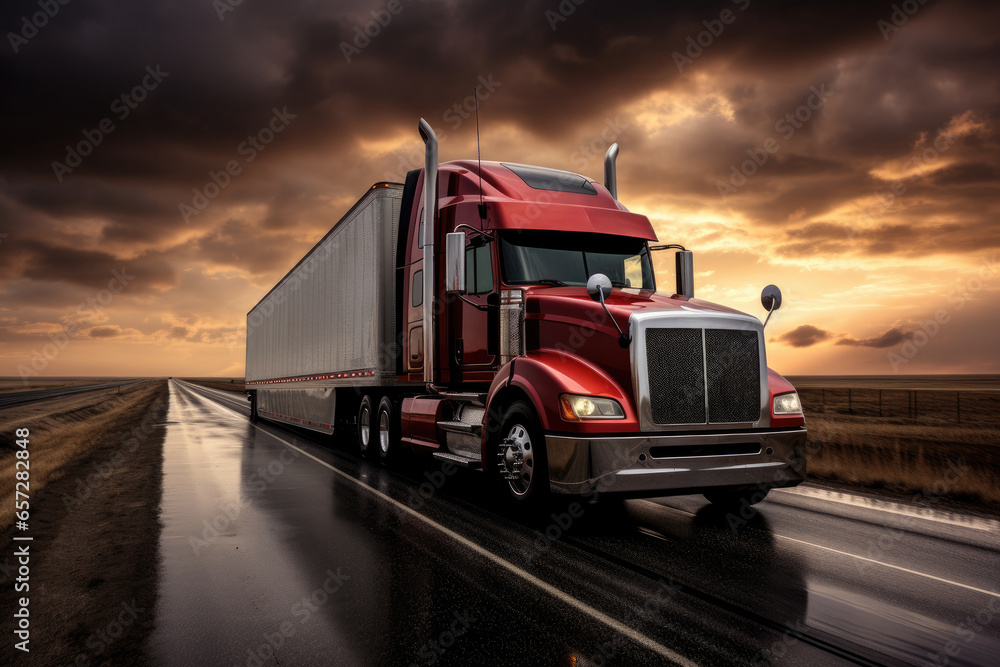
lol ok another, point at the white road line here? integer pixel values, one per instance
(565, 598)
(895, 567)
(842, 553)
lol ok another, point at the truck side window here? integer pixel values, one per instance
(633, 272)
(417, 291)
(479, 269)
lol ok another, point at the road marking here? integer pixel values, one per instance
(895, 567)
(565, 598)
(928, 514)
(843, 553)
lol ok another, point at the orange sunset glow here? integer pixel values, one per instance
(164, 164)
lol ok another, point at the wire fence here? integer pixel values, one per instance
(924, 405)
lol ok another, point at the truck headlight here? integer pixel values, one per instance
(576, 408)
(787, 404)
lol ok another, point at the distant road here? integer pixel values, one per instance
(21, 397)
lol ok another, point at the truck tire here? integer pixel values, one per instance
(521, 463)
(736, 498)
(388, 431)
(366, 424)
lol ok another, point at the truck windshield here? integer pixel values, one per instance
(570, 258)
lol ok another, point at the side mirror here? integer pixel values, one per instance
(685, 273)
(770, 298)
(454, 272)
(599, 287)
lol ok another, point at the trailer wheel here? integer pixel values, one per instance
(366, 420)
(736, 498)
(388, 431)
(521, 462)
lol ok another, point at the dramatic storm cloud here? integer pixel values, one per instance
(803, 336)
(888, 338)
(847, 152)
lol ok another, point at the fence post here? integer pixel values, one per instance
(879, 402)
(958, 405)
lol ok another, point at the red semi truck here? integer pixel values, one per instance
(506, 318)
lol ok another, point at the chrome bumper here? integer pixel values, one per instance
(626, 464)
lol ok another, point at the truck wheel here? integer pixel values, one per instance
(736, 498)
(521, 463)
(366, 420)
(388, 431)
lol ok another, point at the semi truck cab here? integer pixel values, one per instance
(631, 391)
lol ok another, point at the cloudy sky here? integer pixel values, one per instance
(847, 152)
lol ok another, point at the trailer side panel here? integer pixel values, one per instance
(330, 322)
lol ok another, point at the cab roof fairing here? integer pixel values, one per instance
(513, 204)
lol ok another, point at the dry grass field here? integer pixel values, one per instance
(11, 384)
(938, 435)
(65, 429)
(96, 480)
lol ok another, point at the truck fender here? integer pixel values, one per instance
(543, 375)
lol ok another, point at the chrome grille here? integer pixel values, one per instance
(733, 364)
(676, 375)
(684, 364)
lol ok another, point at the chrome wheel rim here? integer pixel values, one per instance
(517, 460)
(383, 432)
(365, 427)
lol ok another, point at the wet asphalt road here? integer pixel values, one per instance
(281, 548)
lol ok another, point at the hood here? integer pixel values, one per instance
(560, 318)
(573, 303)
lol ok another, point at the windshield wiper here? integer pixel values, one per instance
(550, 281)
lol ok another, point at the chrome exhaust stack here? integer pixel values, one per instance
(611, 170)
(430, 209)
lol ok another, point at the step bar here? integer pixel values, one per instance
(461, 427)
(475, 464)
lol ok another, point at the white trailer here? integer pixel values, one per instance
(330, 322)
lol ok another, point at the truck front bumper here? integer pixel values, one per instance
(675, 464)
